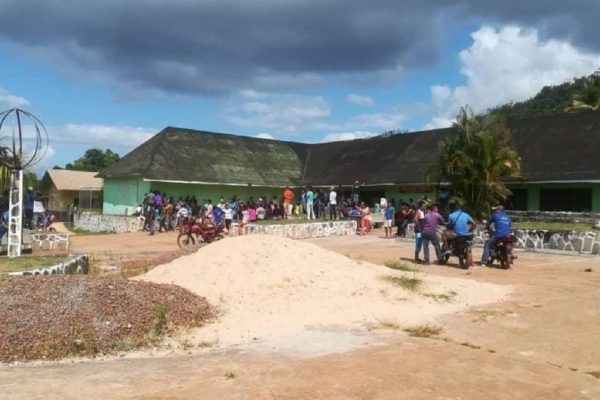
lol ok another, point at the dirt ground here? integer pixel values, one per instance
(543, 343)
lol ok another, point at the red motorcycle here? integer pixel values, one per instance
(193, 230)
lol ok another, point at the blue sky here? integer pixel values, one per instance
(111, 74)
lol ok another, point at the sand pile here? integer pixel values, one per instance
(291, 295)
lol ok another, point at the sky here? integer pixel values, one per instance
(111, 74)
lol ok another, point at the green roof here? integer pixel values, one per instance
(185, 155)
(557, 148)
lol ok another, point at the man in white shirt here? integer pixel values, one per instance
(332, 203)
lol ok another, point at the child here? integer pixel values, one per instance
(297, 210)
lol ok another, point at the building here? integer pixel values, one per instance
(560, 165)
(62, 188)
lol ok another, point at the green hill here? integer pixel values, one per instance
(550, 100)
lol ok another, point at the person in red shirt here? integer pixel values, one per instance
(288, 196)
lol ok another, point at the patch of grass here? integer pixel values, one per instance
(387, 324)
(83, 232)
(423, 331)
(160, 319)
(588, 270)
(25, 263)
(399, 266)
(484, 315)
(411, 284)
(186, 344)
(554, 226)
(229, 374)
(595, 374)
(205, 345)
(442, 297)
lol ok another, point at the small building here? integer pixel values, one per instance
(62, 187)
(560, 168)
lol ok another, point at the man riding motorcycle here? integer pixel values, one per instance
(502, 228)
(460, 223)
(458, 237)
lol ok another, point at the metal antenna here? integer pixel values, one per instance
(16, 157)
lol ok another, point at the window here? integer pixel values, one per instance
(566, 199)
(517, 200)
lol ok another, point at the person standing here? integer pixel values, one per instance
(29, 202)
(332, 204)
(418, 219)
(310, 198)
(430, 227)
(288, 196)
(355, 193)
(150, 212)
(388, 220)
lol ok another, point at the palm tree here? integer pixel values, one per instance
(588, 98)
(475, 158)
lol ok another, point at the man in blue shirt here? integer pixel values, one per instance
(460, 223)
(502, 228)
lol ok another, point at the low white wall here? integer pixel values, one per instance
(108, 223)
(300, 231)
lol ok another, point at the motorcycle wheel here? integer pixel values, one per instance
(445, 258)
(504, 264)
(185, 240)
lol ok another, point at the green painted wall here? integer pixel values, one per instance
(596, 198)
(123, 194)
(406, 193)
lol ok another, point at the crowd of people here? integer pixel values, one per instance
(164, 213)
(431, 227)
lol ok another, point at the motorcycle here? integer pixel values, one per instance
(502, 251)
(194, 230)
(460, 247)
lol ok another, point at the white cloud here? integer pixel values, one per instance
(361, 100)
(9, 100)
(508, 64)
(287, 114)
(47, 162)
(264, 136)
(102, 136)
(291, 115)
(338, 136)
(384, 121)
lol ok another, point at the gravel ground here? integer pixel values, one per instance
(51, 317)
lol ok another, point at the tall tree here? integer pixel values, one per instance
(475, 158)
(588, 97)
(94, 160)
